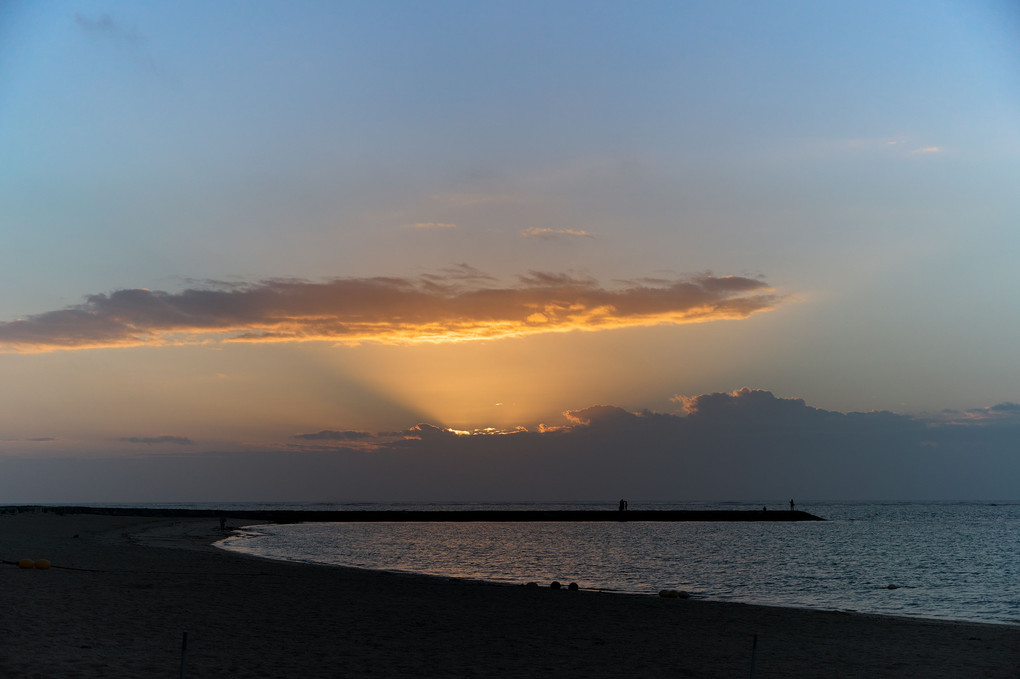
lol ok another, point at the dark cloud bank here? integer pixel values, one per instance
(745, 445)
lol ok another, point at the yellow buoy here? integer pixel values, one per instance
(42, 564)
(26, 563)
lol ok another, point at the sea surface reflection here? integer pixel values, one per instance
(953, 560)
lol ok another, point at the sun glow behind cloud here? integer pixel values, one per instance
(455, 306)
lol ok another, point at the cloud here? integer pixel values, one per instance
(462, 273)
(998, 414)
(746, 402)
(490, 431)
(747, 444)
(431, 225)
(864, 143)
(127, 42)
(901, 146)
(154, 440)
(599, 415)
(454, 305)
(744, 445)
(35, 439)
(538, 232)
(332, 435)
(461, 200)
(106, 28)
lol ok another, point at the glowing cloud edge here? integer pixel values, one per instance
(433, 308)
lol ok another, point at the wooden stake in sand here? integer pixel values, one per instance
(184, 652)
(754, 654)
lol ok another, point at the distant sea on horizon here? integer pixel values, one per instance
(944, 560)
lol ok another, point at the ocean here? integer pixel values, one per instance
(955, 561)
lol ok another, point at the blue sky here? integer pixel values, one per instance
(846, 171)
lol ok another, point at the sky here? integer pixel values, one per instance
(385, 251)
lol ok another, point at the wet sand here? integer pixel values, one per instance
(123, 590)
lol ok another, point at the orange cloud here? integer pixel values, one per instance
(455, 305)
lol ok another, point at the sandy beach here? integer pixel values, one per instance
(123, 590)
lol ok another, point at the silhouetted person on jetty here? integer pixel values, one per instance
(791, 505)
(623, 505)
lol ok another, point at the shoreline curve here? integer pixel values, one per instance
(122, 590)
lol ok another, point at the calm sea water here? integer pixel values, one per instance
(958, 561)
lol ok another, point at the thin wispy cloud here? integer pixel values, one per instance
(34, 439)
(992, 415)
(157, 440)
(431, 225)
(898, 145)
(126, 43)
(334, 435)
(455, 305)
(459, 200)
(867, 143)
(539, 232)
(106, 28)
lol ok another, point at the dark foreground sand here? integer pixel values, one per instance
(124, 590)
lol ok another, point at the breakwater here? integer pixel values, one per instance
(422, 516)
